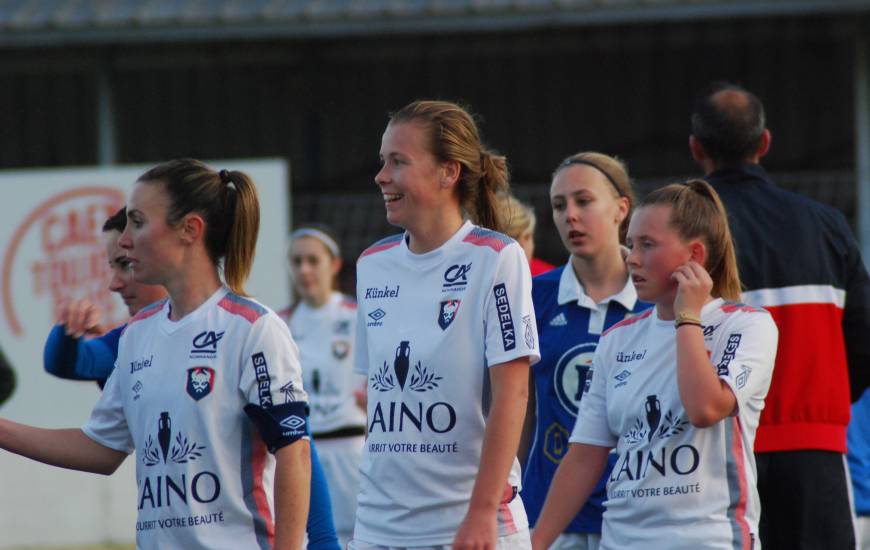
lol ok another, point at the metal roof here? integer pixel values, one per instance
(59, 22)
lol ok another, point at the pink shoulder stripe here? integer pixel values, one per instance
(146, 312)
(731, 307)
(242, 307)
(485, 237)
(349, 303)
(629, 321)
(383, 244)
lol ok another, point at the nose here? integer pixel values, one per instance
(381, 178)
(632, 259)
(125, 241)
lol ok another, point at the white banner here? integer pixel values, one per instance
(51, 249)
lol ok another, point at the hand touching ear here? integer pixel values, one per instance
(693, 288)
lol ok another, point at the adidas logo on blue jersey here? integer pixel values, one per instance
(558, 321)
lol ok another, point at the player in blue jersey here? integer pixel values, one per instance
(68, 354)
(591, 199)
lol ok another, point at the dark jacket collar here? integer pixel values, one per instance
(739, 173)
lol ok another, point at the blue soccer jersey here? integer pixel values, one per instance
(569, 326)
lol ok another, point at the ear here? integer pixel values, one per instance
(450, 171)
(622, 208)
(698, 252)
(335, 268)
(697, 150)
(764, 143)
(191, 228)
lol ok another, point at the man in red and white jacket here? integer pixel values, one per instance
(799, 260)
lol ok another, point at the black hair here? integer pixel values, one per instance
(117, 222)
(730, 132)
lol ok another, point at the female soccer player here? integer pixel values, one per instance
(445, 335)
(591, 200)
(323, 323)
(677, 390)
(206, 381)
(68, 354)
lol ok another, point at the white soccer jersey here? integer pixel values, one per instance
(429, 325)
(178, 396)
(675, 486)
(325, 337)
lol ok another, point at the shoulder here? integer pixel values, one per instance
(736, 313)
(620, 327)
(144, 313)
(546, 286)
(487, 238)
(244, 308)
(382, 245)
(286, 313)
(347, 303)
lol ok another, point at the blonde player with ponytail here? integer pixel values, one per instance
(445, 335)
(677, 390)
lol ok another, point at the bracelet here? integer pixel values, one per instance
(692, 323)
(683, 316)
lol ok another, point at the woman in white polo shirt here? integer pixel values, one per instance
(677, 390)
(445, 335)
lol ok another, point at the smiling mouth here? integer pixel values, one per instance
(392, 197)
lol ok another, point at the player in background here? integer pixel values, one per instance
(7, 378)
(207, 380)
(519, 224)
(591, 198)
(69, 354)
(678, 391)
(323, 323)
(445, 334)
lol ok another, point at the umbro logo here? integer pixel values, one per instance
(376, 316)
(558, 321)
(621, 378)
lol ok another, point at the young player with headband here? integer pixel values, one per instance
(677, 390)
(323, 323)
(445, 335)
(591, 199)
(208, 388)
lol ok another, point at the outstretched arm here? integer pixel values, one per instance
(65, 448)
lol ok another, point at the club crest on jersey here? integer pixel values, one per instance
(204, 345)
(340, 349)
(422, 378)
(342, 327)
(456, 277)
(572, 375)
(449, 309)
(200, 382)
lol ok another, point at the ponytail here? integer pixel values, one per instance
(227, 202)
(454, 136)
(697, 212)
(243, 209)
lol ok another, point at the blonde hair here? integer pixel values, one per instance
(518, 218)
(614, 171)
(697, 213)
(454, 136)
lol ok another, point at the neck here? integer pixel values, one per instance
(602, 275)
(188, 294)
(317, 301)
(429, 234)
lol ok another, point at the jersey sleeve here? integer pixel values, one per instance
(360, 345)
(108, 423)
(271, 381)
(78, 358)
(591, 426)
(510, 325)
(745, 356)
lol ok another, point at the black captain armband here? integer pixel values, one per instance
(280, 425)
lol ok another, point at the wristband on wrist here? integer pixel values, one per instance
(686, 318)
(692, 323)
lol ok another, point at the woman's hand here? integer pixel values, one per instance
(693, 288)
(80, 317)
(478, 531)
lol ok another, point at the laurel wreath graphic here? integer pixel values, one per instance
(382, 380)
(669, 427)
(637, 433)
(151, 454)
(185, 452)
(424, 380)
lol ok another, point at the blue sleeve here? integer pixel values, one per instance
(80, 359)
(320, 527)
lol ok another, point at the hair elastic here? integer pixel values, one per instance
(327, 241)
(225, 176)
(585, 162)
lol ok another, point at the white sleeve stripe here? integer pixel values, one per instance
(791, 295)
